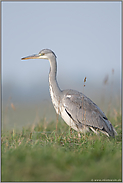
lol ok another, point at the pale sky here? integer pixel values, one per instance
(85, 36)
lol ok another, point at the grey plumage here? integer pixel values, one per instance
(77, 110)
(85, 112)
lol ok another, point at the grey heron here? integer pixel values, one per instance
(77, 110)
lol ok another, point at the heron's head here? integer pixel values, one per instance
(43, 54)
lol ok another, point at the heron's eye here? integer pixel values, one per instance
(41, 54)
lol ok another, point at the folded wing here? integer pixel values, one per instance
(85, 112)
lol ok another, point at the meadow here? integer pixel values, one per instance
(53, 152)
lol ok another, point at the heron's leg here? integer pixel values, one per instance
(71, 131)
(95, 131)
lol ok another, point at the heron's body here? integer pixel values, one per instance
(77, 110)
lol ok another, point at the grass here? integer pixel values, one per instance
(40, 153)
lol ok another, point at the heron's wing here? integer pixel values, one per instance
(83, 111)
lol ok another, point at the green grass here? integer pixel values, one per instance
(42, 153)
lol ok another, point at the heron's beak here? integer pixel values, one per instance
(35, 56)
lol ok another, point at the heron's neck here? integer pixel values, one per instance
(52, 77)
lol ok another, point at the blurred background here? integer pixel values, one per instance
(86, 38)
